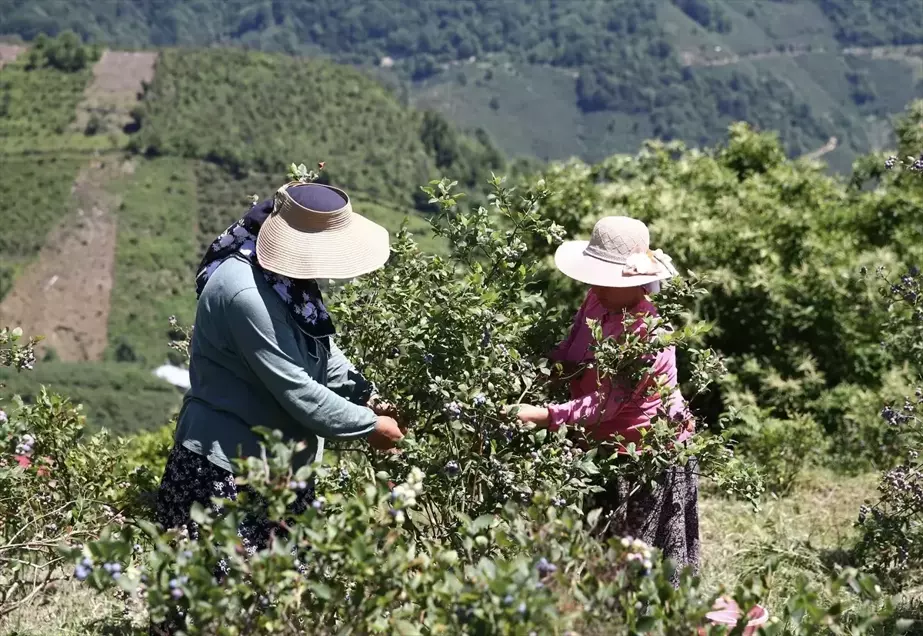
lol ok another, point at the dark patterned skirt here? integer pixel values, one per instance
(665, 516)
(189, 478)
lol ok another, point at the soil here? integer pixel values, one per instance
(118, 80)
(65, 294)
(9, 52)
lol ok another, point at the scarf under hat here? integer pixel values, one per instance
(302, 297)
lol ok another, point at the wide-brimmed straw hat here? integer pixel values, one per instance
(313, 232)
(618, 254)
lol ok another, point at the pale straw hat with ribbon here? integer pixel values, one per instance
(618, 254)
(313, 232)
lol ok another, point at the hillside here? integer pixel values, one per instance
(555, 79)
(117, 167)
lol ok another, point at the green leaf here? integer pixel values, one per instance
(197, 513)
(321, 590)
(482, 523)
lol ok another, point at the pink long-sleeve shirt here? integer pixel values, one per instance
(606, 410)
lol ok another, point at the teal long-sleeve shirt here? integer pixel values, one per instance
(251, 365)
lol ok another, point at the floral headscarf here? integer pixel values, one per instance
(303, 297)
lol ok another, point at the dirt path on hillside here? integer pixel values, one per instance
(9, 52)
(827, 148)
(118, 79)
(695, 58)
(65, 294)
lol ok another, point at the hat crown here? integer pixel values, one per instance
(312, 207)
(615, 238)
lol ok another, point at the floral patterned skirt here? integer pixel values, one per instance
(665, 516)
(189, 478)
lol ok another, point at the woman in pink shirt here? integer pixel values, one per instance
(621, 270)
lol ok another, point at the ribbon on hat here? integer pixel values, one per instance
(648, 263)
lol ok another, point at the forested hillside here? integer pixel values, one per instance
(615, 72)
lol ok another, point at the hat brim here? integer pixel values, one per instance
(572, 262)
(356, 248)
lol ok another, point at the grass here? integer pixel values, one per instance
(122, 398)
(36, 193)
(802, 534)
(156, 257)
(37, 106)
(512, 101)
(802, 531)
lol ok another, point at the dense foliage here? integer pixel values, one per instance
(66, 52)
(493, 541)
(781, 246)
(245, 110)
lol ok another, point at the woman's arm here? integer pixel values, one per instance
(344, 380)
(268, 344)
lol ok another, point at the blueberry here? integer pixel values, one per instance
(174, 584)
(176, 593)
(81, 572)
(522, 609)
(480, 399)
(452, 468)
(545, 567)
(428, 358)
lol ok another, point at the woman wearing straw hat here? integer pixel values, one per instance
(621, 270)
(262, 350)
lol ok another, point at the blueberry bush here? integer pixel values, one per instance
(892, 527)
(58, 488)
(480, 525)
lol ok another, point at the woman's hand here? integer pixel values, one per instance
(528, 414)
(386, 435)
